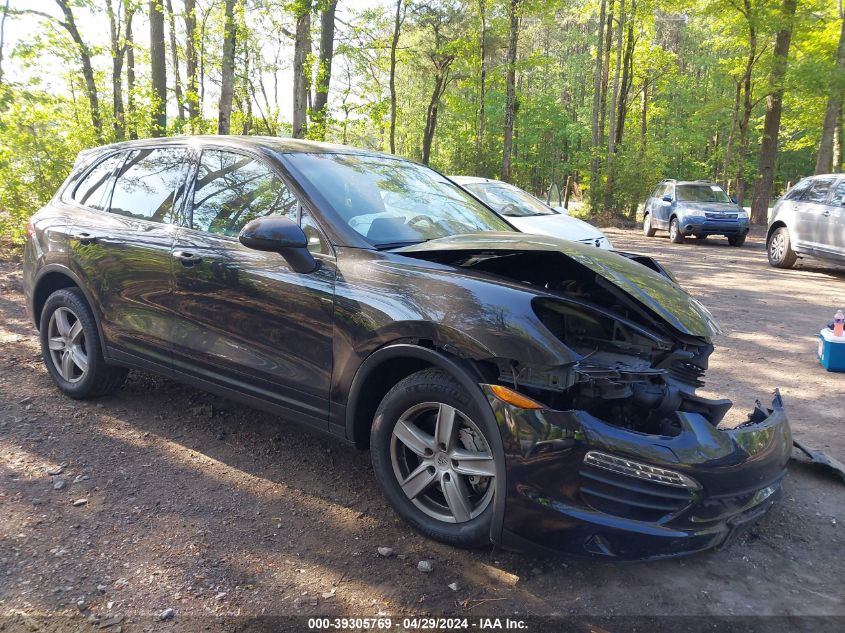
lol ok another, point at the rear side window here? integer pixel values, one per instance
(148, 184)
(818, 190)
(91, 189)
(232, 189)
(838, 198)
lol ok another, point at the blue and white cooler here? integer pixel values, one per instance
(831, 350)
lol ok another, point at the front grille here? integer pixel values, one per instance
(721, 216)
(631, 497)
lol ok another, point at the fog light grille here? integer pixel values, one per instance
(633, 490)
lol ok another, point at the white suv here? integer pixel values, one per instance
(808, 220)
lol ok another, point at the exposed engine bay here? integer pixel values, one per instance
(636, 371)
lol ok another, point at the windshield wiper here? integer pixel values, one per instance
(386, 246)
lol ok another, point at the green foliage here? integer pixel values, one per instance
(688, 58)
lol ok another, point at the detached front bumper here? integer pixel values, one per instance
(636, 496)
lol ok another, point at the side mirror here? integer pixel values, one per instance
(666, 197)
(733, 199)
(279, 234)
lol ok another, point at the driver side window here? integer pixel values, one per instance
(232, 189)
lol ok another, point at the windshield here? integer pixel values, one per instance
(392, 201)
(701, 193)
(508, 200)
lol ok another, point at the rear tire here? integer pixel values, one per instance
(648, 230)
(71, 348)
(426, 436)
(675, 234)
(736, 240)
(779, 249)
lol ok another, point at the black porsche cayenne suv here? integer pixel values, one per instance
(511, 388)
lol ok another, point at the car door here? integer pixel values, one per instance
(834, 239)
(662, 208)
(246, 321)
(813, 215)
(122, 246)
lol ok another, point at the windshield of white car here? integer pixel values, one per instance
(509, 200)
(701, 193)
(393, 202)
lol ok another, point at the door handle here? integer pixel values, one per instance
(187, 259)
(85, 238)
(826, 213)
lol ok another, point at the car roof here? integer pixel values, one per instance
(273, 143)
(689, 182)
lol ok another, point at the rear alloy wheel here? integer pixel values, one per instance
(780, 250)
(70, 345)
(648, 230)
(675, 234)
(736, 240)
(433, 458)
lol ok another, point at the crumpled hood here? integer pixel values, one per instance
(651, 289)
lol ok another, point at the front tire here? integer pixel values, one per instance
(648, 230)
(70, 346)
(433, 454)
(675, 234)
(779, 249)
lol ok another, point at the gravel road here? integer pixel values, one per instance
(165, 502)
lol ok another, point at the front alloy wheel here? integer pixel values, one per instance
(780, 250)
(442, 462)
(434, 454)
(675, 234)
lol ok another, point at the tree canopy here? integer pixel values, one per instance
(612, 94)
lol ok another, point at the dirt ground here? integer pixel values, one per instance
(199, 505)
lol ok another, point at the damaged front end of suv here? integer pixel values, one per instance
(613, 453)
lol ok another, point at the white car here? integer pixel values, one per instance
(529, 214)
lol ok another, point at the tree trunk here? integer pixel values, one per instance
(174, 61)
(597, 75)
(117, 53)
(627, 76)
(825, 161)
(87, 69)
(605, 73)
(431, 114)
(129, 12)
(191, 94)
(2, 36)
(227, 75)
(510, 82)
(726, 166)
(319, 113)
(771, 125)
(748, 104)
(394, 42)
(482, 80)
(158, 69)
(301, 74)
(611, 135)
